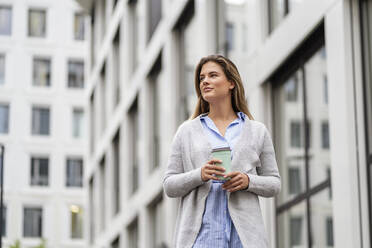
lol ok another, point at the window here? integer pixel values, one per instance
(74, 172)
(39, 171)
(230, 33)
(102, 191)
(32, 222)
(3, 222)
(76, 214)
(291, 89)
(134, 22)
(5, 20)
(4, 118)
(154, 15)
(134, 141)
(329, 231)
(133, 234)
(2, 69)
(325, 89)
(305, 181)
(116, 68)
(155, 80)
(294, 181)
(42, 71)
(40, 121)
(92, 210)
(295, 134)
(116, 157)
(325, 135)
(76, 74)
(79, 26)
(296, 230)
(36, 23)
(77, 122)
(190, 54)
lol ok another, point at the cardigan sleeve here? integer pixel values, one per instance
(267, 181)
(177, 182)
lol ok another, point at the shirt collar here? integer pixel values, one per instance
(240, 115)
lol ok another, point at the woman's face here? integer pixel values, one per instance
(214, 85)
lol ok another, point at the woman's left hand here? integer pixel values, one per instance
(238, 181)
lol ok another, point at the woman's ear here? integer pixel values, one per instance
(232, 85)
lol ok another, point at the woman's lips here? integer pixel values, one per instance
(207, 89)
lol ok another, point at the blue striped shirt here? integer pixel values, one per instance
(217, 229)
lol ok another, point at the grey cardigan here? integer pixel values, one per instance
(253, 154)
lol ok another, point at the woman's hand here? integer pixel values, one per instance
(210, 171)
(238, 181)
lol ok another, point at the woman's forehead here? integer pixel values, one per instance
(210, 67)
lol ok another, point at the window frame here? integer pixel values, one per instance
(297, 61)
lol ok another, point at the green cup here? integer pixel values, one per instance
(223, 154)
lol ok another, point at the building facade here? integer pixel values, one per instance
(306, 69)
(43, 48)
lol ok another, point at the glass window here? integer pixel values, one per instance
(76, 74)
(92, 210)
(296, 230)
(32, 222)
(76, 213)
(230, 33)
(294, 181)
(116, 156)
(134, 22)
(155, 80)
(329, 231)
(3, 222)
(296, 134)
(303, 168)
(4, 118)
(102, 193)
(325, 135)
(291, 89)
(41, 72)
(154, 17)
(5, 20)
(77, 122)
(39, 171)
(135, 149)
(74, 172)
(190, 54)
(133, 234)
(292, 227)
(325, 89)
(40, 121)
(116, 67)
(79, 26)
(36, 23)
(2, 69)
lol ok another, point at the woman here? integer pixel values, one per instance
(212, 212)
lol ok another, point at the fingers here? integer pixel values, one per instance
(210, 171)
(237, 182)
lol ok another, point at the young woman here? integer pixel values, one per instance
(212, 212)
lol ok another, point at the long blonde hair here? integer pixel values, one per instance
(238, 102)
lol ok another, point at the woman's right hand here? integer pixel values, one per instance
(210, 171)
